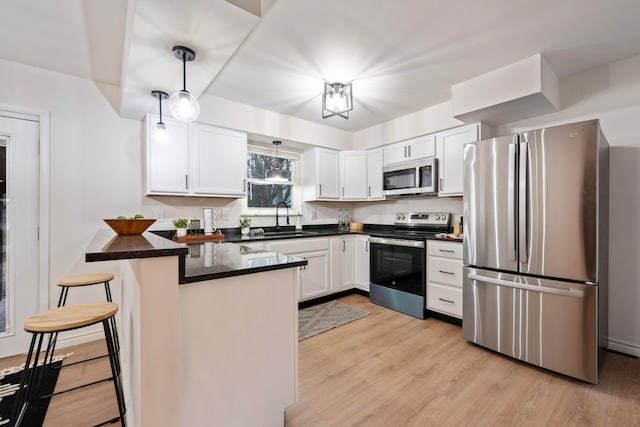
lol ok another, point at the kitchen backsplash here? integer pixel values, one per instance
(228, 211)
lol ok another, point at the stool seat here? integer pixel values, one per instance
(70, 317)
(85, 279)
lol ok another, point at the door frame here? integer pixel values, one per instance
(14, 111)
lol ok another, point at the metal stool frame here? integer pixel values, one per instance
(32, 376)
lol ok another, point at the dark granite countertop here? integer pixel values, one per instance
(197, 262)
(212, 260)
(108, 246)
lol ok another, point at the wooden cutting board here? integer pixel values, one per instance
(197, 238)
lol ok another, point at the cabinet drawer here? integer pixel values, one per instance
(444, 270)
(292, 246)
(445, 249)
(444, 299)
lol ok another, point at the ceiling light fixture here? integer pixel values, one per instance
(337, 100)
(161, 134)
(276, 174)
(182, 104)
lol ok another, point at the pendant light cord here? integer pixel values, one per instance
(160, 99)
(184, 71)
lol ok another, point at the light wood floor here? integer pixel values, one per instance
(388, 369)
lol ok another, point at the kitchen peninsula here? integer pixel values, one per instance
(222, 350)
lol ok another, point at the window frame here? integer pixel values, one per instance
(296, 191)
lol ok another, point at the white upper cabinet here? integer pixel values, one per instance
(197, 160)
(167, 168)
(321, 174)
(374, 174)
(353, 175)
(411, 149)
(449, 148)
(218, 160)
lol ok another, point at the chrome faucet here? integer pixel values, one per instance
(277, 206)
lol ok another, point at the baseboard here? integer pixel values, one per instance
(330, 297)
(624, 347)
(79, 338)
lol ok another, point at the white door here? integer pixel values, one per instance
(450, 147)
(374, 174)
(167, 161)
(19, 230)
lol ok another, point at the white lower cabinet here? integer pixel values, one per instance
(315, 277)
(342, 262)
(362, 259)
(444, 277)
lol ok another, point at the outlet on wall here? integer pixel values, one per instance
(225, 214)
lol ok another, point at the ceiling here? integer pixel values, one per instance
(401, 55)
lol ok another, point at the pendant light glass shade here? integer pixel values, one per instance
(276, 174)
(183, 105)
(160, 132)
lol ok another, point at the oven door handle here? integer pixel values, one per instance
(397, 242)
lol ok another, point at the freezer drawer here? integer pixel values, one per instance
(549, 323)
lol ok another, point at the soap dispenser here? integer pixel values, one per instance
(299, 222)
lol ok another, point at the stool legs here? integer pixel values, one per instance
(31, 376)
(27, 390)
(115, 368)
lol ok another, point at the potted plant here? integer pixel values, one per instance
(245, 223)
(181, 226)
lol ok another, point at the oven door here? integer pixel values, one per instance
(398, 264)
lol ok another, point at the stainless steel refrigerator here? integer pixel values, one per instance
(535, 209)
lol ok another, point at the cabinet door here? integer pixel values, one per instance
(450, 145)
(327, 174)
(167, 162)
(219, 160)
(347, 262)
(353, 174)
(374, 174)
(362, 263)
(395, 153)
(314, 280)
(421, 147)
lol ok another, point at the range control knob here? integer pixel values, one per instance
(437, 217)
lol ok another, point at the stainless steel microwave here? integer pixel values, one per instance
(414, 177)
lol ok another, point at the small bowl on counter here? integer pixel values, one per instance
(128, 227)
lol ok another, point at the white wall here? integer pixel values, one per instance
(95, 163)
(429, 120)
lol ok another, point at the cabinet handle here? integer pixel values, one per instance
(441, 184)
(342, 191)
(447, 272)
(446, 250)
(367, 247)
(186, 182)
(447, 300)
(369, 191)
(244, 185)
(319, 189)
(344, 248)
(409, 150)
(405, 151)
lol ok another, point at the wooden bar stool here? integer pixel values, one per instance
(59, 320)
(80, 280)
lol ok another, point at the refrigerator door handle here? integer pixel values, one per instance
(511, 204)
(522, 202)
(543, 289)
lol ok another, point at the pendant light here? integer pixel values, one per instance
(160, 134)
(276, 174)
(337, 100)
(182, 104)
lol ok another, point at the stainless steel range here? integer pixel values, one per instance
(398, 261)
